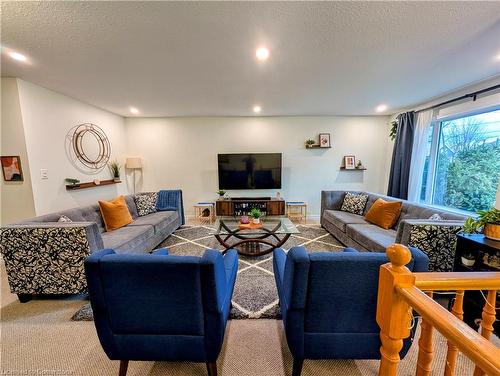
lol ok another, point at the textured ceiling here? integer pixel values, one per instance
(197, 58)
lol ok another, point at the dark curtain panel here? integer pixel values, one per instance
(401, 156)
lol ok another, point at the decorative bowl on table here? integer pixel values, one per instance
(244, 220)
(249, 225)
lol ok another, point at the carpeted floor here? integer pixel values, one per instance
(255, 294)
(38, 338)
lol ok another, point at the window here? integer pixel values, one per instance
(462, 165)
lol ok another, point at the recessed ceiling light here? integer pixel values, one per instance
(381, 108)
(257, 109)
(262, 53)
(497, 58)
(17, 56)
(134, 110)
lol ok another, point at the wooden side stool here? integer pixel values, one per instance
(296, 210)
(199, 209)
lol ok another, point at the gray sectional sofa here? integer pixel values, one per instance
(44, 256)
(436, 238)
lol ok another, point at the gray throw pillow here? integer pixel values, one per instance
(146, 203)
(354, 203)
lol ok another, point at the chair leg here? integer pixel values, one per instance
(297, 366)
(123, 367)
(212, 368)
(24, 298)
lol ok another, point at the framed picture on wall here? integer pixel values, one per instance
(324, 140)
(11, 168)
(349, 162)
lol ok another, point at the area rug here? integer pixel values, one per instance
(255, 295)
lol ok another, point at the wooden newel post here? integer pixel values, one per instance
(393, 313)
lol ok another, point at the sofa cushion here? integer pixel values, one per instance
(418, 211)
(129, 199)
(115, 213)
(371, 237)
(159, 220)
(146, 203)
(340, 218)
(383, 213)
(354, 203)
(129, 238)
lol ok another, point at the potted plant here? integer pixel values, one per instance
(255, 214)
(221, 193)
(394, 130)
(488, 221)
(468, 259)
(310, 142)
(72, 182)
(114, 167)
(359, 165)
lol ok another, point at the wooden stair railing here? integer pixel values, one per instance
(401, 291)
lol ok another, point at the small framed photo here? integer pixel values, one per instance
(324, 140)
(349, 162)
(11, 168)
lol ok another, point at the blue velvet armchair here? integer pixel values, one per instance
(159, 307)
(328, 302)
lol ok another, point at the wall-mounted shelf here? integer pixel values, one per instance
(317, 147)
(352, 169)
(90, 185)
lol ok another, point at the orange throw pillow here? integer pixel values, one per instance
(384, 213)
(115, 213)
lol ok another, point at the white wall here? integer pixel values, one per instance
(47, 118)
(182, 153)
(16, 196)
(493, 81)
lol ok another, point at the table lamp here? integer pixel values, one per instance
(134, 163)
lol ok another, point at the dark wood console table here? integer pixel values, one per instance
(242, 206)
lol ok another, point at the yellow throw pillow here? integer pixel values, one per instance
(384, 213)
(115, 213)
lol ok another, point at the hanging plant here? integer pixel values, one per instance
(394, 130)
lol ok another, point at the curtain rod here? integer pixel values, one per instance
(466, 96)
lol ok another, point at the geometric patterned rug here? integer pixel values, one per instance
(255, 295)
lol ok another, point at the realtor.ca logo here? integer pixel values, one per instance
(35, 372)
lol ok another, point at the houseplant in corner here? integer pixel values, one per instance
(256, 214)
(114, 167)
(488, 221)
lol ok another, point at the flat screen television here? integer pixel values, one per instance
(250, 171)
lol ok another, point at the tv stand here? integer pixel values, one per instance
(250, 199)
(239, 206)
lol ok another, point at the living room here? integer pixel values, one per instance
(261, 134)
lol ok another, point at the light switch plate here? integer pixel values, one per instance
(44, 173)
